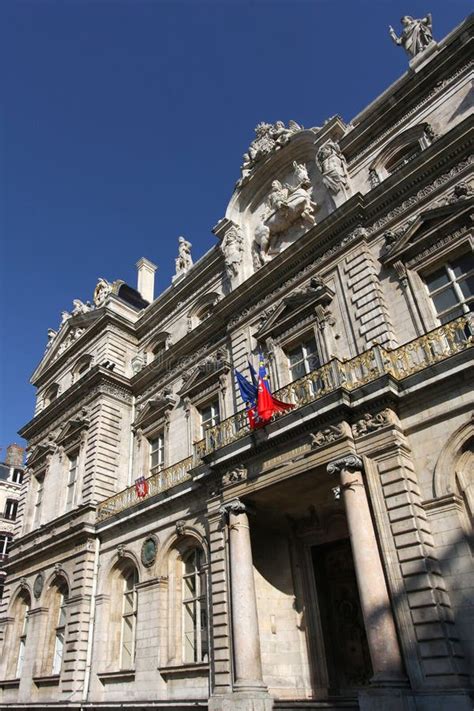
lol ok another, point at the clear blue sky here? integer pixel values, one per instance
(123, 126)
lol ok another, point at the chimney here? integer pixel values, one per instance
(146, 279)
(14, 456)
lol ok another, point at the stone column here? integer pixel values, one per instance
(246, 642)
(375, 602)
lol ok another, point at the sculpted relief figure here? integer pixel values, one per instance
(184, 260)
(287, 206)
(232, 248)
(269, 137)
(333, 167)
(416, 35)
(80, 307)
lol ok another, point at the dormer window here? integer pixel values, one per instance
(51, 394)
(404, 156)
(400, 151)
(82, 366)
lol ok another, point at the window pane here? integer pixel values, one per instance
(467, 286)
(437, 279)
(445, 299)
(462, 265)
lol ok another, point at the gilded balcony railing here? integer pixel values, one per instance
(157, 483)
(421, 353)
(401, 362)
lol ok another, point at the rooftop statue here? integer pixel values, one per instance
(416, 35)
(184, 260)
(101, 292)
(269, 137)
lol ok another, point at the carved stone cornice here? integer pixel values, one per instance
(350, 462)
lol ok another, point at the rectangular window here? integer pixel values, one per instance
(209, 416)
(451, 288)
(157, 453)
(11, 509)
(39, 498)
(17, 476)
(71, 481)
(303, 358)
(5, 541)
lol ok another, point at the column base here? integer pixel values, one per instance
(241, 701)
(392, 699)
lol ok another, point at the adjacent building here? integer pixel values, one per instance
(11, 477)
(321, 561)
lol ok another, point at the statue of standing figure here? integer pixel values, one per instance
(416, 35)
(184, 260)
(333, 167)
(232, 248)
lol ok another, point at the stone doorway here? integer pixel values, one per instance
(342, 624)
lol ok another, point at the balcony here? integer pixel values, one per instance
(400, 363)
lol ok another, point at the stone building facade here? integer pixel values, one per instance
(323, 561)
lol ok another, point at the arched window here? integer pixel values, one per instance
(129, 620)
(22, 616)
(121, 620)
(158, 346)
(194, 612)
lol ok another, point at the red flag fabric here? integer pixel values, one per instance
(267, 405)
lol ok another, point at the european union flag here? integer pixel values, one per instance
(248, 391)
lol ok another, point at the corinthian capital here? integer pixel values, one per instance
(236, 506)
(351, 461)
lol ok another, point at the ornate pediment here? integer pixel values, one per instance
(155, 408)
(199, 378)
(39, 455)
(59, 342)
(426, 229)
(295, 307)
(73, 429)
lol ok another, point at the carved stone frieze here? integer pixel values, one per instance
(326, 436)
(421, 195)
(238, 473)
(371, 423)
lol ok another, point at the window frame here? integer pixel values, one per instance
(71, 487)
(198, 602)
(214, 419)
(157, 436)
(302, 342)
(11, 503)
(40, 478)
(60, 632)
(129, 596)
(20, 659)
(452, 283)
